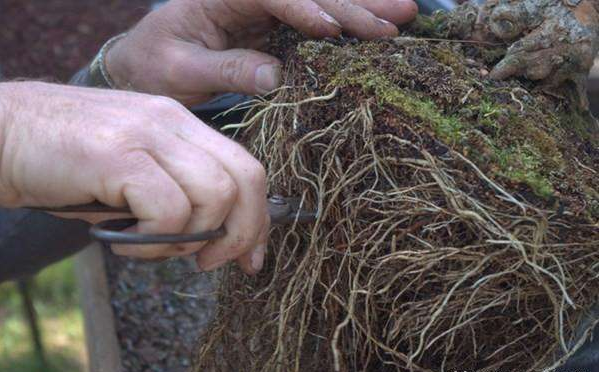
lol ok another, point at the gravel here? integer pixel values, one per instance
(160, 309)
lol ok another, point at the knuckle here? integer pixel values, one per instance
(164, 105)
(110, 139)
(231, 70)
(226, 190)
(239, 249)
(289, 10)
(245, 239)
(257, 175)
(157, 109)
(140, 161)
(177, 214)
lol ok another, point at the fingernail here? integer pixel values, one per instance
(329, 19)
(385, 22)
(267, 77)
(258, 258)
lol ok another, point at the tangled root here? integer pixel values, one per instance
(418, 260)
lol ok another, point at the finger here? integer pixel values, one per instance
(305, 16)
(252, 262)
(211, 191)
(246, 220)
(155, 199)
(396, 11)
(244, 224)
(195, 68)
(357, 20)
(93, 217)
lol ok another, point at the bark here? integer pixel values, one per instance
(553, 41)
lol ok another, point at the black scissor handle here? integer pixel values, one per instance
(282, 211)
(110, 232)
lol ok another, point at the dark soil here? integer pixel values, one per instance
(377, 136)
(52, 39)
(159, 308)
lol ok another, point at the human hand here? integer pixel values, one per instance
(192, 49)
(63, 145)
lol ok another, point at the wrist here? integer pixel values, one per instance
(116, 64)
(8, 102)
(6, 98)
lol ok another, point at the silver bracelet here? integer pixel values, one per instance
(98, 65)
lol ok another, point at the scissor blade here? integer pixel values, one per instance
(294, 212)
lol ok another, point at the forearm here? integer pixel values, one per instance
(29, 240)
(3, 115)
(5, 98)
(7, 117)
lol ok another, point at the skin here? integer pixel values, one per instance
(63, 145)
(195, 49)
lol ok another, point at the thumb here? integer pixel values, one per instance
(236, 70)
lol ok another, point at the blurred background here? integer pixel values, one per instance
(52, 39)
(59, 320)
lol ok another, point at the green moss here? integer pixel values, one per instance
(449, 58)
(448, 128)
(310, 50)
(488, 113)
(516, 139)
(580, 124)
(539, 133)
(523, 164)
(429, 26)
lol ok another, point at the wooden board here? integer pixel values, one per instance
(100, 332)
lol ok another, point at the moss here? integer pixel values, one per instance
(448, 128)
(488, 113)
(491, 55)
(592, 202)
(540, 135)
(516, 137)
(449, 58)
(522, 164)
(428, 26)
(310, 50)
(580, 124)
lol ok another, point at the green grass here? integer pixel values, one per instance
(56, 301)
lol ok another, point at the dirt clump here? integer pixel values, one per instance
(457, 219)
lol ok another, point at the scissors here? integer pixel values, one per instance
(282, 210)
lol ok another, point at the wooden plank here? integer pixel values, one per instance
(100, 332)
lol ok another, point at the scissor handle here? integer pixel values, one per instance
(109, 231)
(282, 211)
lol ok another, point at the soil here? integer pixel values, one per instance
(403, 146)
(159, 309)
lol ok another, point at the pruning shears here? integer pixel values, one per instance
(282, 210)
